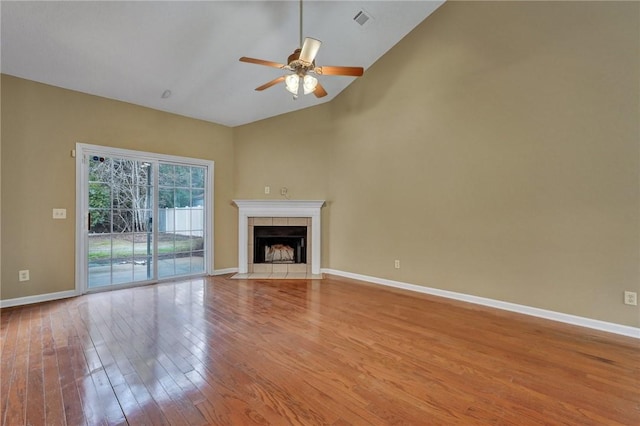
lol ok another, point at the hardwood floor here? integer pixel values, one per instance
(336, 351)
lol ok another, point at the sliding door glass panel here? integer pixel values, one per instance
(120, 202)
(181, 218)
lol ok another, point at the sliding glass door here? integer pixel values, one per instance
(143, 217)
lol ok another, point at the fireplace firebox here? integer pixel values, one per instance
(280, 244)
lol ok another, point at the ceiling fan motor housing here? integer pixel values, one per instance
(300, 67)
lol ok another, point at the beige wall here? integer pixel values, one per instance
(40, 126)
(494, 151)
(0, 191)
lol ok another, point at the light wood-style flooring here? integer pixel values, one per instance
(334, 351)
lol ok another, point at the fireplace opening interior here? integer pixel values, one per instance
(280, 244)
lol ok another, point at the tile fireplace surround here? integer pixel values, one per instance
(285, 212)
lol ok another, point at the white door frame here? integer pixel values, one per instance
(82, 217)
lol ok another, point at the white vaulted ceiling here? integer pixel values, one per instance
(133, 51)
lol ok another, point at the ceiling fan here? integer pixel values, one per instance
(302, 63)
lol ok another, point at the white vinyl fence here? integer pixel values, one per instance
(182, 221)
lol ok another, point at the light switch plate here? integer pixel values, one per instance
(59, 213)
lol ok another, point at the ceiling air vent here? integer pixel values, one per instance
(361, 17)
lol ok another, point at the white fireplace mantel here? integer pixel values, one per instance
(278, 208)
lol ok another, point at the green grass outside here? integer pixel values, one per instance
(102, 247)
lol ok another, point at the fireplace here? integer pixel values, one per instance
(294, 215)
(279, 244)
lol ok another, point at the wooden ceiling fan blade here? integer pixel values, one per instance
(348, 71)
(309, 50)
(319, 91)
(271, 83)
(262, 62)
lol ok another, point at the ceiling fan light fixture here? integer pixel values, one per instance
(292, 82)
(309, 84)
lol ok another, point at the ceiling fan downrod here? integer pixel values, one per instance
(300, 40)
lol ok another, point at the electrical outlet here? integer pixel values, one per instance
(631, 298)
(283, 191)
(59, 213)
(23, 275)
(267, 190)
(396, 264)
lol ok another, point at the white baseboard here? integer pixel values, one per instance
(37, 298)
(224, 271)
(507, 306)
